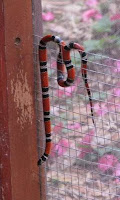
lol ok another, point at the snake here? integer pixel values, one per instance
(63, 62)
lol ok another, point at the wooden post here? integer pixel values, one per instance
(38, 33)
(5, 168)
(18, 139)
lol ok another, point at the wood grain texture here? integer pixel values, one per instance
(20, 110)
(5, 169)
(38, 33)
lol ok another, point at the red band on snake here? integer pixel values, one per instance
(63, 60)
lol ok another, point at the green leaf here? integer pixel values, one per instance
(109, 149)
(91, 157)
(102, 151)
(91, 45)
(103, 25)
(55, 181)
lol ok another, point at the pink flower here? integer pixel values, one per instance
(92, 13)
(114, 107)
(91, 3)
(115, 17)
(67, 91)
(53, 65)
(85, 144)
(59, 93)
(70, 90)
(60, 148)
(107, 162)
(117, 170)
(74, 126)
(117, 66)
(116, 92)
(101, 110)
(117, 173)
(48, 16)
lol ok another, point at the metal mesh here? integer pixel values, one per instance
(75, 169)
(85, 160)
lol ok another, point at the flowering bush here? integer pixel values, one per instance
(60, 148)
(48, 16)
(85, 144)
(92, 13)
(107, 162)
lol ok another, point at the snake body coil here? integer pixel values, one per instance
(63, 60)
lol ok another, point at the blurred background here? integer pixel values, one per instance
(85, 161)
(92, 23)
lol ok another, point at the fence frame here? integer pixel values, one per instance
(37, 34)
(18, 138)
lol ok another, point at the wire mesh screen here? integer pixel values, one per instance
(85, 160)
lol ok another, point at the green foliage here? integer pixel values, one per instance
(55, 182)
(91, 157)
(105, 150)
(91, 45)
(104, 6)
(103, 25)
(109, 150)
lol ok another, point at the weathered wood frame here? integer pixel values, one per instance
(18, 138)
(37, 34)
